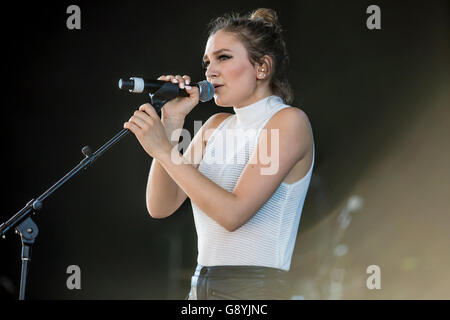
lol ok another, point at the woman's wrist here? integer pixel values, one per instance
(172, 119)
(171, 125)
(170, 155)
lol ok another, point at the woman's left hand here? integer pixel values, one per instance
(149, 130)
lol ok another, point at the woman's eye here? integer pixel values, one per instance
(220, 58)
(224, 57)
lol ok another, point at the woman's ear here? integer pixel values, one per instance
(264, 68)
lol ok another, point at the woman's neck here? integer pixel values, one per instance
(259, 94)
(250, 115)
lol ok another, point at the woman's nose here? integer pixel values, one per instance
(211, 72)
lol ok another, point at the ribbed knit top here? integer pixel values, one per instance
(268, 238)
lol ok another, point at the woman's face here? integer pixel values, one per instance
(228, 67)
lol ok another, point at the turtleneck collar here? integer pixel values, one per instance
(256, 112)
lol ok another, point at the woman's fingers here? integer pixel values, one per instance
(179, 79)
(148, 109)
(182, 81)
(132, 127)
(142, 124)
(142, 118)
(187, 80)
(143, 114)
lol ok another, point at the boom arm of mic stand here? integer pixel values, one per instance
(22, 221)
(37, 204)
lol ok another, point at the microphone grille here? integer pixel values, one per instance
(206, 91)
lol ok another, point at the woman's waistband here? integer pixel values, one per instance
(255, 272)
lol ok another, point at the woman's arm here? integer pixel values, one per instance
(286, 145)
(163, 195)
(161, 190)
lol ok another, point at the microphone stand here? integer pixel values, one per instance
(27, 228)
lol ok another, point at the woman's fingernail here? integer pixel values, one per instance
(187, 82)
(182, 85)
(188, 87)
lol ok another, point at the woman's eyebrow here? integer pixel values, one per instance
(217, 52)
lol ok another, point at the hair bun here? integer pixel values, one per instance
(268, 16)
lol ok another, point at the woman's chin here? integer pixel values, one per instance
(220, 101)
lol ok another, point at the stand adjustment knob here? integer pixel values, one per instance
(37, 205)
(87, 151)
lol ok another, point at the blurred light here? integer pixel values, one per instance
(341, 250)
(355, 203)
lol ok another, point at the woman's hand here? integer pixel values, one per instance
(178, 108)
(149, 130)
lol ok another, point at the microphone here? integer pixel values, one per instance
(140, 85)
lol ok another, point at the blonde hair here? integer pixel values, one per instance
(261, 34)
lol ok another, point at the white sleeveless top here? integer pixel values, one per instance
(268, 238)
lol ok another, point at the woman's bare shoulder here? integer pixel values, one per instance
(291, 114)
(294, 128)
(217, 119)
(212, 123)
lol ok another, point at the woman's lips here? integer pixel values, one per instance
(217, 87)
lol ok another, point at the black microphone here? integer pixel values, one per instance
(140, 85)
